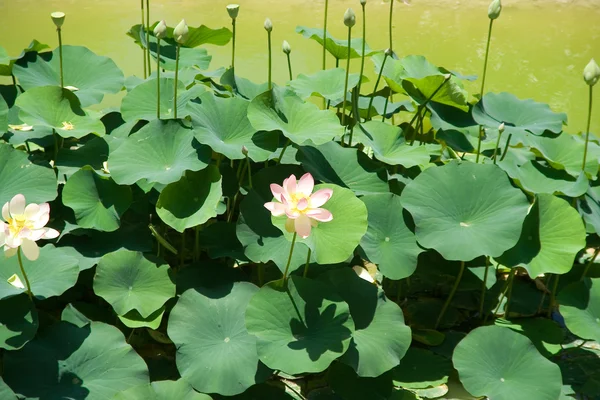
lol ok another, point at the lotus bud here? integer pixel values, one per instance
(591, 73)
(244, 150)
(349, 18)
(494, 9)
(160, 31)
(233, 10)
(501, 128)
(388, 52)
(287, 49)
(447, 76)
(181, 32)
(58, 18)
(363, 2)
(268, 25)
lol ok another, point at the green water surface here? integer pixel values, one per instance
(539, 47)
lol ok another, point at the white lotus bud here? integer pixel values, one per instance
(494, 9)
(591, 73)
(287, 49)
(349, 18)
(181, 32)
(388, 52)
(160, 31)
(58, 18)
(363, 273)
(268, 25)
(233, 10)
(501, 127)
(244, 150)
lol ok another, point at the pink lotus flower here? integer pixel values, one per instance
(296, 200)
(23, 226)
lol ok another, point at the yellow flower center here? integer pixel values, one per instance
(67, 126)
(300, 203)
(16, 225)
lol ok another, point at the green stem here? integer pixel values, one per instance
(496, 148)
(325, 33)
(451, 295)
(547, 280)
(148, 37)
(346, 80)
(289, 62)
(424, 104)
(553, 296)
(143, 48)
(307, 263)
(387, 100)
(289, 261)
(355, 96)
(376, 85)
(60, 56)
(270, 58)
(506, 147)
(158, 79)
(485, 62)
(589, 263)
(480, 135)
(261, 274)
(364, 37)
(24, 274)
(182, 250)
(249, 172)
(504, 289)
(176, 80)
(484, 286)
(390, 22)
(511, 279)
(233, 46)
(283, 151)
(587, 130)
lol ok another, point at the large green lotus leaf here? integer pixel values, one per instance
(92, 75)
(242, 86)
(196, 36)
(92, 153)
(98, 202)
(133, 319)
(346, 384)
(18, 322)
(465, 210)
(3, 115)
(565, 152)
(215, 353)
(389, 243)
(19, 175)
(222, 124)
(140, 103)
(192, 200)
(262, 241)
(328, 84)
(421, 369)
(281, 110)
(553, 234)
(389, 145)
(336, 47)
(334, 241)
(518, 116)
(50, 275)
(504, 365)
(452, 122)
(381, 338)
(537, 178)
(300, 328)
(162, 390)
(93, 362)
(589, 208)
(580, 307)
(420, 79)
(5, 391)
(160, 152)
(58, 109)
(130, 281)
(7, 63)
(546, 335)
(345, 167)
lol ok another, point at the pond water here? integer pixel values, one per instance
(539, 47)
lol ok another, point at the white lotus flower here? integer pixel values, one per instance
(23, 226)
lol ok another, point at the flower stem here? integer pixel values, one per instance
(283, 151)
(479, 136)
(233, 46)
(24, 274)
(176, 80)
(143, 49)
(324, 43)
(511, 280)
(182, 250)
(553, 296)
(270, 58)
(249, 172)
(289, 261)
(364, 37)
(589, 264)
(484, 286)
(307, 263)
(451, 295)
(60, 56)
(385, 106)
(289, 62)
(148, 37)
(346, 80)
(158, 79)
(496, 148)
(376, 85)
(485, 62)
(504, 290)
(587, 130)
(390, 22)
(506, 147)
